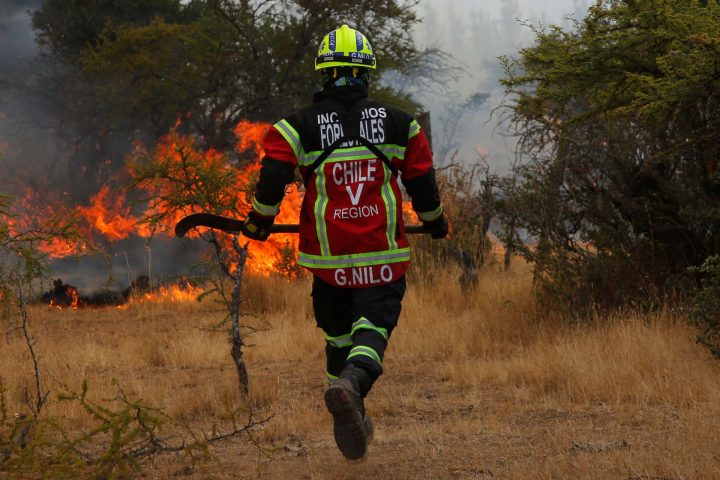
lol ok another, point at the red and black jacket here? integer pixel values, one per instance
(350, 151)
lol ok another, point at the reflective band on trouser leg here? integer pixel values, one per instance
(377, 310)
(336, 357)
(365, 324)
(341, 341)
(331, 378)
(429, 216)
(362, 350)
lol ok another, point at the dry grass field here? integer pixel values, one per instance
(479, 384)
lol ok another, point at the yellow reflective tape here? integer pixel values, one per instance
(414, 129)
(365, 351)
(355, 153)
(429, 216)
(291, 136)
(266, 210)
(341, 341)
(347, 261)
(390, 208)
(321, 203)
(365, 324)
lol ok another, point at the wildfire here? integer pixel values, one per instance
(183, 292)
(190, 172)
(68, 298)
(34, 214)
(108, 216)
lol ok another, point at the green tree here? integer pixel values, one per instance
(68, 27)
(617, 182)
(114, 72)
(241, 59)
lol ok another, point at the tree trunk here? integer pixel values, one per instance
(236, 342)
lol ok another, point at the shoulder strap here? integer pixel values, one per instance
(345, 138)
(351, 130)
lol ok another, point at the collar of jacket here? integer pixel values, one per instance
(346, 95)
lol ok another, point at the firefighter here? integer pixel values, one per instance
(350, 151)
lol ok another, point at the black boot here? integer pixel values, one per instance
(344, 399)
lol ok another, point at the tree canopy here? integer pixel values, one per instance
(113, 72)
(215, 61)
(617, 180)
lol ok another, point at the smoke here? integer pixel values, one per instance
(163, 259)
(40, 152)
(16, 35)
(476, 34)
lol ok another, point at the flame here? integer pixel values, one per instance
(183, 292)
(409, 215)
(72, 294)
(61, 248)
(264, 257)
(34, 213)
(109, 217)
(250, 135)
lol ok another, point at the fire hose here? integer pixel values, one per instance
(233, 225)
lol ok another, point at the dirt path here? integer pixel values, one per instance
(473, 390)
(443, 431)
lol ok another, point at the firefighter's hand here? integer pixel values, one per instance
(257, 227)
(438, 228)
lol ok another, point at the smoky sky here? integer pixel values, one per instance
(17, 40)
(476, 33)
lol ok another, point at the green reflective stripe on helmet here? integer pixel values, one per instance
(267, 210)
(354, 260)
(365, 351)
(390, 202)
(365, 324)
(414, 129)
(292, 137)
(321, 203)
(429, 216)
(341, 341)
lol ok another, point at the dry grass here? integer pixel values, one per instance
(479, 383)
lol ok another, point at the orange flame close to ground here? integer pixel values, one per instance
(72, 294)
(184, 292)
(110, 217)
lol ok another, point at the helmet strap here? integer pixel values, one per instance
(346, 76)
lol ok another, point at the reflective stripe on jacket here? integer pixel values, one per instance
(351, 226)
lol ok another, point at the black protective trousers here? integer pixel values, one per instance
(357, 323)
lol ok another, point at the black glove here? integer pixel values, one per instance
(438, 228)
(257, 227)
